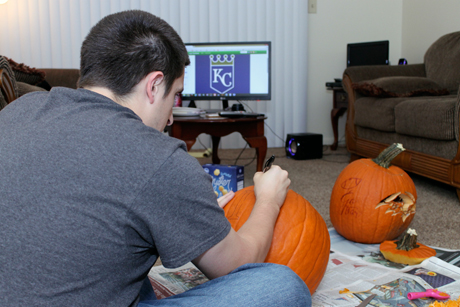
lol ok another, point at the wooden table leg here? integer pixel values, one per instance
(189, 144)
(176, 131)
(215, 147)
(335, 114)
(252, 130)
(260, 144)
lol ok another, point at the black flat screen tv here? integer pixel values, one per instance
(368, 53)
(228, 71)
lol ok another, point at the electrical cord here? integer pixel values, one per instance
(241, 152)
(325, 147)
(274, 132)
(246, 105)
(283, 140)
(199, 141)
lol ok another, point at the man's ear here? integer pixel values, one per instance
(154, 80)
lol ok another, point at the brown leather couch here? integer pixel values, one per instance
(416, 105)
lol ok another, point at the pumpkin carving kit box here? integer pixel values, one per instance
(225, 178)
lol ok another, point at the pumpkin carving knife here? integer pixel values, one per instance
(367, 301)
(269, 163)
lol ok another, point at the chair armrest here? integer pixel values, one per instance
(67, 77)
(360, 73)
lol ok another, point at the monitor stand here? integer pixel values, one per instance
(224, 105)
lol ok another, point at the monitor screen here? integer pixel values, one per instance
(228, 71)
(369, 53)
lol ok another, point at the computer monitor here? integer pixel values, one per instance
(228, 71)
(368, 53)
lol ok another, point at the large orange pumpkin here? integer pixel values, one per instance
(372, 201)
(300, 240)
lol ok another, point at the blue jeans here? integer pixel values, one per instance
(255, 284)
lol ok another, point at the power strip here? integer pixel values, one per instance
(204, 154)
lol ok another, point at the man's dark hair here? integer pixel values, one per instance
(123, 48)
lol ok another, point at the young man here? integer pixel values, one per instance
(92, 192)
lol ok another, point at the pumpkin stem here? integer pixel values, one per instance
(408, 241)
(385, 157)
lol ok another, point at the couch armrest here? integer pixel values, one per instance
(8, 87)
(360, 73)
(67, 77)
(457, 122)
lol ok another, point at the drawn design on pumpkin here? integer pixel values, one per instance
(399, 203)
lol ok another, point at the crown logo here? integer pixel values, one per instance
(222, 60)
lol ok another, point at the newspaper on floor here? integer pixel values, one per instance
(356, 271)
(168, 282)
(359, 268)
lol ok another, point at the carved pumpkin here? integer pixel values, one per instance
(372, 201)
(406, 250)
(300, 239)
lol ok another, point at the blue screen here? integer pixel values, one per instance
(230, 71)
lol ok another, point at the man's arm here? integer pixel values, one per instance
(252, 241)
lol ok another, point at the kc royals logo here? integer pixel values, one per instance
(222, 73)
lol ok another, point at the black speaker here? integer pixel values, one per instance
(304, 146)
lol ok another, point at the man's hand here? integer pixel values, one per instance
(271, 187)
(252, 241)
(223, 200)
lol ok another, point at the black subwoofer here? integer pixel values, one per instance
(304, 146)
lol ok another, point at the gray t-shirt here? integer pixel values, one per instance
(89, 197)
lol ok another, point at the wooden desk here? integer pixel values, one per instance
(340, 105)
(251, 128)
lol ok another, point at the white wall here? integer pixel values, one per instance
(336, 24)
(424, 21)
(48, 33)
(411, 26)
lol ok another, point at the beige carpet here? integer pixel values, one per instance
(438, 209)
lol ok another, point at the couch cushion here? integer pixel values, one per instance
(25, 88)
(428, 118)
(376, 113)
(24, 73)
(442, 61)
(399, 86)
